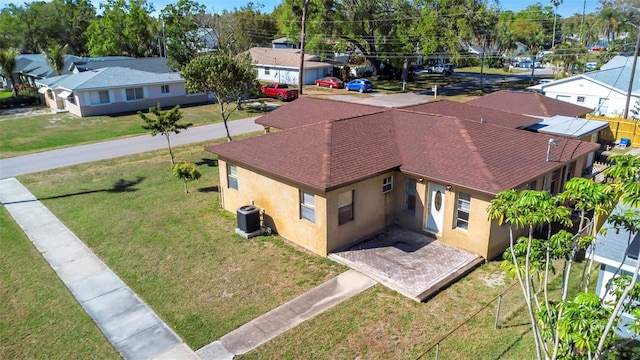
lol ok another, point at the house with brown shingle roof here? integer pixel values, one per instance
(530, 104)
(283, 65)
(345, 173)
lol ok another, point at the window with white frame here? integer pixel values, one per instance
(99, 97)
(232, 176)
(580, 99)
(307, 206)
(164, 89)
(387, 184)
(410, 196)
(462, 210)
(134, 94)
(266, 71)
(345, 207)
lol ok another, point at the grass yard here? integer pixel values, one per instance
(23, 135)
(177, 251)
(40, 319)
(5, 94)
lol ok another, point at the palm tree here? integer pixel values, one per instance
(7, 63)
(55, 56)
(555, 18)
(607, 21)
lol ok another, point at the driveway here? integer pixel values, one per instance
(413, 264)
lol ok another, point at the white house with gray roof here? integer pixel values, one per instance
(115, 90)
(617, 252)
(283, 65)
(604, 90)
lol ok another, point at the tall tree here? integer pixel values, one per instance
(54, 55)
(225, 76)
(183, 25)
(244, 28)
(125, 28)
(165, 123)
(555, 4)
(531, 34)
(7, 64)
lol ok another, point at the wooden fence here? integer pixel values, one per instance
(619, 128)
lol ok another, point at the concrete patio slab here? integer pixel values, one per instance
(413, 264)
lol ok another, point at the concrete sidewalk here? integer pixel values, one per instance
(266, 327)
(126, 321)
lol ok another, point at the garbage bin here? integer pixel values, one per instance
(248, 219)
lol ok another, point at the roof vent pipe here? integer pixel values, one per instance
(481, 120)
(551, 142)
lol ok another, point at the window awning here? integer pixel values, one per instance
(64, 94)
(43, 90)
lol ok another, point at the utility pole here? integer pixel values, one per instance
(633, 74)
(301, 72)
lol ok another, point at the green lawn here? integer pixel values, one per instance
(23, 135)
(177, 251)
(40, 319)
(5, 94)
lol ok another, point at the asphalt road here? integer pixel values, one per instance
(19, 165)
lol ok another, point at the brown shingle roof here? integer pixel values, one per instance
(323, 155)
(529, 103)
(309, 110)
(480, 156)
(474, 113)
(330, 154)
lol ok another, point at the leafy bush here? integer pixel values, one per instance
(19, 101)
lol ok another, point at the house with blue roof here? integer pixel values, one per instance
(604, 90)
(617, 252)
(112, 90)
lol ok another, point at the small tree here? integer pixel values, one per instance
(578, 326)
(187, 172)
(165, 123)
(224, 76)
(7, 63)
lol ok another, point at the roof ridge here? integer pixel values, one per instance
(326, 154)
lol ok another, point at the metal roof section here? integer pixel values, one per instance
(568, 126)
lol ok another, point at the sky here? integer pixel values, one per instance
(567, 8)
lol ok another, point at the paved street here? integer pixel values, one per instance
(109, 149)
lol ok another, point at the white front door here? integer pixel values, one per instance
(435, 211)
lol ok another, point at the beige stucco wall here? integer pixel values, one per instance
(372, 211)
(281, 203)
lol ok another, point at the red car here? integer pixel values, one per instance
(330, 82)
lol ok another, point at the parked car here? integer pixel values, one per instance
(330, 82)
(444, 69)
(280, 91)
(361, 85)
(591, 66)
(545, 81)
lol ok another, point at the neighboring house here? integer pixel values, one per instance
(156, 65)
(337, 172)
(115, 90)
(604, 90)
(284, 43)
(617, 253)
(530, 104)
(283, 65)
